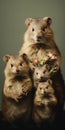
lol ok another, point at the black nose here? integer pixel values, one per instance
(17, 71)
(41, 78)
(44, 92)
(39, 37)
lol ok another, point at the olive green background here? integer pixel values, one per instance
(12, 26)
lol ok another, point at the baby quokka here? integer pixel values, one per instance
(45, 103)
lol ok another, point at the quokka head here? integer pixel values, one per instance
(45, 88)
(38, 30)
(41, 73)
(16, 65)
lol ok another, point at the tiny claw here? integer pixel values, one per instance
(20, 97)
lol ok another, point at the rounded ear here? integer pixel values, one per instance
(49, 81)
(48, 20)
(28, 21)
(6, 58)
(25, 57)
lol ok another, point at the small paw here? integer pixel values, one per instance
(17, 98)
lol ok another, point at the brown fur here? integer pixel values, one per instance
(17, 99)
(39, 39)
(45, 102)
(41, 74)
(59, 86)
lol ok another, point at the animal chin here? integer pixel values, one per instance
(46, 95)
(18, 73)
(39, 45)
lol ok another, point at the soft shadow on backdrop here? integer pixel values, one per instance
(12, 26)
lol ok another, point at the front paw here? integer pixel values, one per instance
(52, 103)
(38, 103)
(17, 98)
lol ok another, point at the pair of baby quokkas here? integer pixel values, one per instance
(34, 86)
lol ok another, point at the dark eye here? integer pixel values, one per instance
(32, 29)
(43, 29)
(20, 64)
(47, 87)
(37, 73)
(11, 65)
(44, 71)
(40, 88)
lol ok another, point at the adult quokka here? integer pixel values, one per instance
(43, 53)
(17, 91)
(39, 43)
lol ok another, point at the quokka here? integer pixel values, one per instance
(45, 103)
(17, 91)
(39, 42)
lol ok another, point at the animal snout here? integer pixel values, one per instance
(41, 78)
(45, 92)
(17, 70)
(39, 38)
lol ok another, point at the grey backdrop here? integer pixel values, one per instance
(12, 26)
